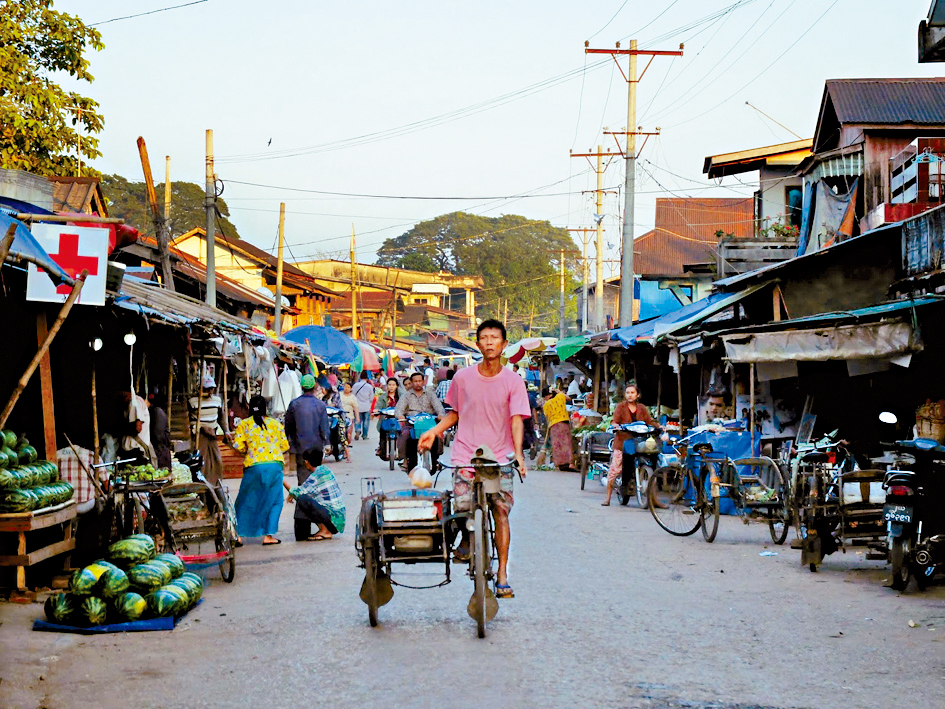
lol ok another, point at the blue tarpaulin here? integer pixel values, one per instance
(26, 248)
(134, 626)
(328, 344)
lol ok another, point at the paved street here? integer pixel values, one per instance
(610, 611)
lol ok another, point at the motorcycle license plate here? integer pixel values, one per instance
(897, 513)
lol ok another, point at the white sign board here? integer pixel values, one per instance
(75, 249)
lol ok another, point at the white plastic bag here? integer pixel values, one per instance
(420, 477)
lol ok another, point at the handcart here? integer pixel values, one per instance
(198, 514)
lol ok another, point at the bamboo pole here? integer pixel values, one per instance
(95, 412)
(88, 472)
(679, 387)
(64, 219)
(44, 348)
(199, 404)
(7, 242)
(751, 388)
(169, 403)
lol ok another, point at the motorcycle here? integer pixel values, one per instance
(390, 430)
(915, 532)
(643, 450)
(337, 432)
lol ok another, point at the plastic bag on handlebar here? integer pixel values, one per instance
(420, 477)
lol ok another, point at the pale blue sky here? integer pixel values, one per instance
(313, 73)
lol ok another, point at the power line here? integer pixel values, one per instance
(619, 10)
(150, 12)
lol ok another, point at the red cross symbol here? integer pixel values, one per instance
(70, 261)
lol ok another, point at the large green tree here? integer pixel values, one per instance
(518, 259)
(129, 201)
(39, 120)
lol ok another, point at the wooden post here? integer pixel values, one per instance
(45, 380)
(95, 413)
(679, 387)
(659, 389)
(170, 391)
(196, 438)
(43, 350)
(7, 242)
(776, 303)
(606, 396)
(751, 389)
(224, 397)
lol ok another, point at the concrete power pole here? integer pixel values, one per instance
(599, 245)
(630, 157)
(278, 327)
(165, 258)
(561, 325)
(354, 306)
(211, 196)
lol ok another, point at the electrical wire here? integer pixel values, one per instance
(150, 12)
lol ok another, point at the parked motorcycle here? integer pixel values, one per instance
(390, 430)
(337, 432)
(641, 456)
(915, 489)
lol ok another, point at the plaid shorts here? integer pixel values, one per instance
(501, 501)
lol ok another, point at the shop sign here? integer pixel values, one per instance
(75, 249)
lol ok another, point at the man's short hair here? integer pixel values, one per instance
(426, 360)
(314, 456)
(416, 374)
(491, 324)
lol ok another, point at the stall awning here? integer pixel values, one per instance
(26, 248)
(569, 346)
(701, 310)
(861, 341)
(154, 301)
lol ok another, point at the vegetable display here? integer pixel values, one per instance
(103, 592)
(26, 483)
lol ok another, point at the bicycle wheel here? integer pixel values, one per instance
(479, 571)
(623, 488)
(583, 467)
(780, 521)
(391, 446)
(644, 473)
(709, 504)
(671, 496)
(227, 563)
(899, 559)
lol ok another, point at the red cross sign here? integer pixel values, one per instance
(75, 249)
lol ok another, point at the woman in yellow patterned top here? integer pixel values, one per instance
(259, 502)
(559, 428)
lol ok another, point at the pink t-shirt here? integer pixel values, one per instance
(485, 406)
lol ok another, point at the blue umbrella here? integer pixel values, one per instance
(326, 343)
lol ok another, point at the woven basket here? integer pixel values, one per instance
(930, 421)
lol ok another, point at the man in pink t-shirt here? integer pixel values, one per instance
(489, 404)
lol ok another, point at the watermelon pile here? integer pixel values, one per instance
(133, 583)
(28, 484)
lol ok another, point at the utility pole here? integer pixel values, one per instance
(598, 217)
(278, 327)
(561, 326)
(630, 156)
(354, 307)
(505, 316)
(211, 196)
(160, 222)
(584, 278)
(165, 256)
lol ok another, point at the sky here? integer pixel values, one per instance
(472, 106)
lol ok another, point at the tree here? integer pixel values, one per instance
(39, 120)
(129, 201)
(518, 259)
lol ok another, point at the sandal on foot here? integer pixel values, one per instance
(319, 537)
(503, 590)
(272, 544)
(605, 504)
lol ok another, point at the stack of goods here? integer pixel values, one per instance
(28, 484)
(133, 584)
(144, 473)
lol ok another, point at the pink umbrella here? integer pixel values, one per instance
(368, 356)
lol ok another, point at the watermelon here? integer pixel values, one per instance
(59, 607)
(40, 474)
(130, 606)
(167, 601)
(128, 552)
(194, 590)
(113, 582)
(174, 562)
(5, 461)
(8, 481)
(26, 453)
(84, 581)
(8, 438)
(107, 564)
(145, 539)
(52, 468)
(18, 501)
(149, 576)
(92, 611)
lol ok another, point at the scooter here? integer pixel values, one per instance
(390, 430)
(337, 432)
(915, 532)
(642, 449)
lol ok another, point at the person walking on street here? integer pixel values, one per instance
(489, 405)
(259, 502)
(364, 391)
(306, 425)
(559, 428)
(319, 499)
(428, 374)
(443, 387)
(627, 411)
(349, 404)
(417, 400)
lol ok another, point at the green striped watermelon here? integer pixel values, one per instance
(149, 575)
(18, 501)
(84, 581)
(92, 611)
(174, 562)
(8, 481)
(194, 591)
(168, 601)
(27, 454)
(129, 552)
(113, 583)
(130, 606)
(59, 607)
(53, 470)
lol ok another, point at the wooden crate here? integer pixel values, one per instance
(22, 523)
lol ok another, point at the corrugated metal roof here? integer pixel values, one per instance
(685, 232)
(890, 101)
(154, 301)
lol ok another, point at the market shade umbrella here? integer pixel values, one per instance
(517, 350)
(326, 343)
(369, 361)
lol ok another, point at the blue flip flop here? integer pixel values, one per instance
(503, 590)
